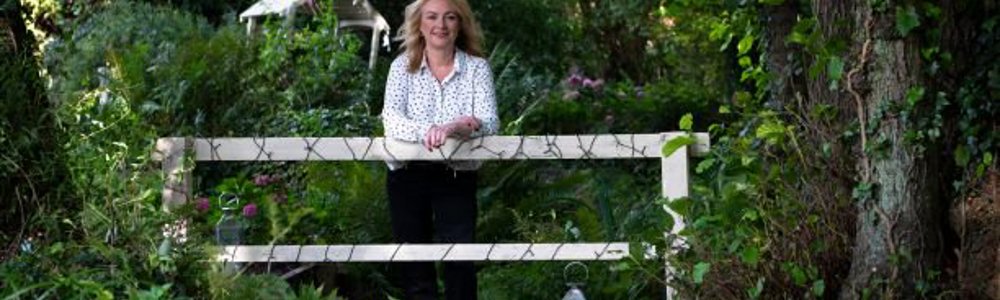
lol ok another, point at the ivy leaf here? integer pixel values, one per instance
(914, 95)
(704, 165)
(862, 191)
(745, 61)
(771, 132)
(961, 156)
(798, 38)
(700, 270)
(818, 288)
(745, 44)
(906, 19)
(802, 33)
(672, 145)
(686, 122)
(798, 275)
(835, 70)
(987, 161)
(750, 256)
(719, 30)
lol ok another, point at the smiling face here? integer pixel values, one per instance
(439, 24)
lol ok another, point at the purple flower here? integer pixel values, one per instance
(593, 84)
(202, 205)
(262, 180)
(639, 92)
(575, 80)
(250, 210)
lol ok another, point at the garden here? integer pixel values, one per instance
(852, 149)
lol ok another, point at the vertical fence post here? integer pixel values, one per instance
(674, 170)
(177, 183)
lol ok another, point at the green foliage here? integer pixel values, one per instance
(265, 286)
(906, 19)
(743, 203)
(979, 142)
(700, 269)
(747, 196)
(185, 77)
(128, 74)
(507, 22)
(148, 31)
(753, 191)
(123, 74)
(518, 87)
(676, 143)
(29, 164)
(570, 202)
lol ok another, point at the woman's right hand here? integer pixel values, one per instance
(470, 122)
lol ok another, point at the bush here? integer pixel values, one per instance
(131, 73)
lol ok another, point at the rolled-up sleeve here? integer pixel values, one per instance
(395, 116)
(485, 95)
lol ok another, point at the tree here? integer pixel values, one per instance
(889, 69)
(25, 128)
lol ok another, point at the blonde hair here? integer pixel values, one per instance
(469, 35)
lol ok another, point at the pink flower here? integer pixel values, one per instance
(250, 210)
(202, 205)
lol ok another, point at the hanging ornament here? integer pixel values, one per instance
(229, 228)
(575, 292)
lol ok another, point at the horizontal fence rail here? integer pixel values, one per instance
(572, 147)
(425, 252)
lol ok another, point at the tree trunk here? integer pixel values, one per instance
(25, 130)
(779, 21)
(898, 223)
(898, 226)
(897, 238)
(900, 185)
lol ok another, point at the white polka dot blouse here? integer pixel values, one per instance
(415, 102)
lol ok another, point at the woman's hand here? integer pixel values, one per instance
(437, 135)
(460, 127)
(468, 122)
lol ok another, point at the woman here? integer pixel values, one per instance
(439, 88)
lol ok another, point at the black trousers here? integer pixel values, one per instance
(430, 202)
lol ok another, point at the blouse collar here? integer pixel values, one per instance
(458, 61)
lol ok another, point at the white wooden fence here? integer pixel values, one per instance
(171, 151)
